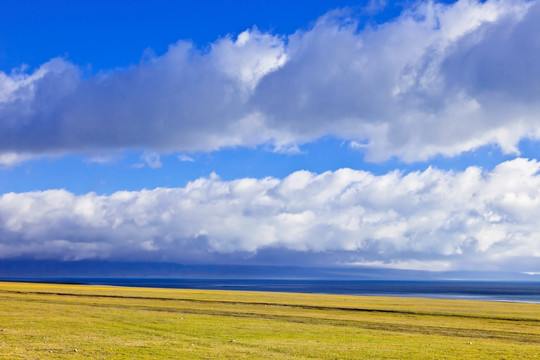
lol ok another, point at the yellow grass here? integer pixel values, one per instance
(49, 321)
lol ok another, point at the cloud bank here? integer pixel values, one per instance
(438, 79)
(439, 220)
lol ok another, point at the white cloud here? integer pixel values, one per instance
(438, 79)
(9, 159)
(185, 158)
(405, 265)
(444, 220)
(153, 160)
(250, 57)
(150, 159)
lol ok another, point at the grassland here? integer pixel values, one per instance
(47, 321)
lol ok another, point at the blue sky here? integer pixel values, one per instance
(383, 134)
(108, 35)
(103, 36)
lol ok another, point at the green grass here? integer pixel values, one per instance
(46, 321)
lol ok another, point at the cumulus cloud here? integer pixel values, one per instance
(183, 100)
(438, 79)
(433, 219)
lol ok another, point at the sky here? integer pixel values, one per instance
(394, 135)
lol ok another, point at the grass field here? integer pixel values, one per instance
(48, 321)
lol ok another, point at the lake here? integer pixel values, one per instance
(473, 290)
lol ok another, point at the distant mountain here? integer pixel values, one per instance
(26, 268)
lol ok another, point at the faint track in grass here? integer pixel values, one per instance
(277, 304)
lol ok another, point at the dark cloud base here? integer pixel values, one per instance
(76, 271)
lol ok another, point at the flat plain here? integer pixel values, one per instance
(62, 321)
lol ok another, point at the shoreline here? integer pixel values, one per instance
(530, 296)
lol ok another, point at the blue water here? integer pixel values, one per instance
(473, 290)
